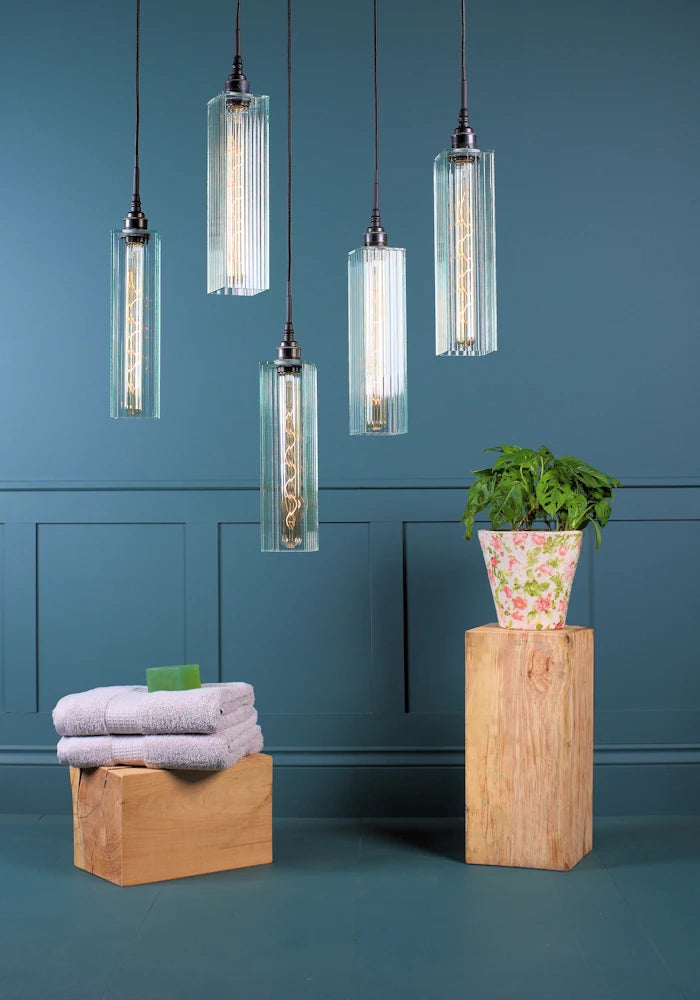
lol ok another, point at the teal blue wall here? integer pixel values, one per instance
(126, 545)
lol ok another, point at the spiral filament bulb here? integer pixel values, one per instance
(291, 460)
(464, 255)
(133, 363)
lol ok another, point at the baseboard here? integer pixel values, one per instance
(382, 781)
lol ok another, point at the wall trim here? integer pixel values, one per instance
(609, 754)
(446, 483)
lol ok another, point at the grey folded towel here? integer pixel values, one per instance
(187, 753)
(133, 710)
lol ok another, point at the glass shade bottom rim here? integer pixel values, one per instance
(460, 353)
(367, 433)
(228, 290)
(285, 548)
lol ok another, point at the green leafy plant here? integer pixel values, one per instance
(523, 486)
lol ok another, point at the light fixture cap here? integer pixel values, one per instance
(375, 234)
(135, 219)
(237, 81)
(464, 136)
(289, 352)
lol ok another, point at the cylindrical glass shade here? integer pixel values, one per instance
(288, 458)
(135, 354)
(238, 255)
(377, 340)
(465, 253)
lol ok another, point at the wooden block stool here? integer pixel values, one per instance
(529, 747)
(133, 825)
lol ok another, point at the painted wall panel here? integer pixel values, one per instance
(110, 603)
(379, 615)
(297, 625)
(647, 604)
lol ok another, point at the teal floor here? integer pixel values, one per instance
(366, 910)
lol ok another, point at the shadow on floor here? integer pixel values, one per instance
(441, 837)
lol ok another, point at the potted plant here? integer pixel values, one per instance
(531, 569)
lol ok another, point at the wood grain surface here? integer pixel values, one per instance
(133, 825)
(529, 747)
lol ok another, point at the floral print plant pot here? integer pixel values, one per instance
(531, 573)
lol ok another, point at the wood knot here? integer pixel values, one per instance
(538, 670)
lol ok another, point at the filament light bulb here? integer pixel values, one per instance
(237, 194)
(135, 350)
(288, 457)
(465, 318)
(375, 309)
(290, 438)
(133, 339)
(236, 156)
(465, 253)
(377, 340)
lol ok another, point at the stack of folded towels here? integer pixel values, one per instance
(207, 728)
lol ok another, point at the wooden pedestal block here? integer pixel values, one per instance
(133, 825)
(529, 747)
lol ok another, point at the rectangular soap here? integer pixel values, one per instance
(173, 678)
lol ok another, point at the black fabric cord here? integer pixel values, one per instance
(289, 161)
(376, 119)
(464, 65)
(238, 28)
(138, 104)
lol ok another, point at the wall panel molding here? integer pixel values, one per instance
(398, 586)
(19, 618)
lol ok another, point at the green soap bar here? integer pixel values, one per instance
(173, 678)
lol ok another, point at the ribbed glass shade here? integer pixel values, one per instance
(465, 253)
(238, 223)
(288, 458)
(135, 353)
(377, 340)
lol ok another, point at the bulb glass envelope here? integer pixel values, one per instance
(288, 457)
(377, 340)
(238, 216)
(135, 346)
(465, 253)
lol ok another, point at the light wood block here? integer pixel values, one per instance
(529, 747)
(133, 825)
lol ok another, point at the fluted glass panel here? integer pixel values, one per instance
(288, 458)
(135, 345)
(465, 253)
(377, 340)
(237, 195)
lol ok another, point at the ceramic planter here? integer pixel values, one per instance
(531, 573)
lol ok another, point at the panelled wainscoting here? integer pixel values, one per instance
(360, 682)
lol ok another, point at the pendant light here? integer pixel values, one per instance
(135, 353)
(288, 415)
(465, 241)
(377, 319)
(238, 220)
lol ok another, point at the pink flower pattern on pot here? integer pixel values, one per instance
(531, 573)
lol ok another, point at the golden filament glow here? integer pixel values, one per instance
(235, 186)
(375, 319)
(290, 527)
(464, 256)
(133, 333)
